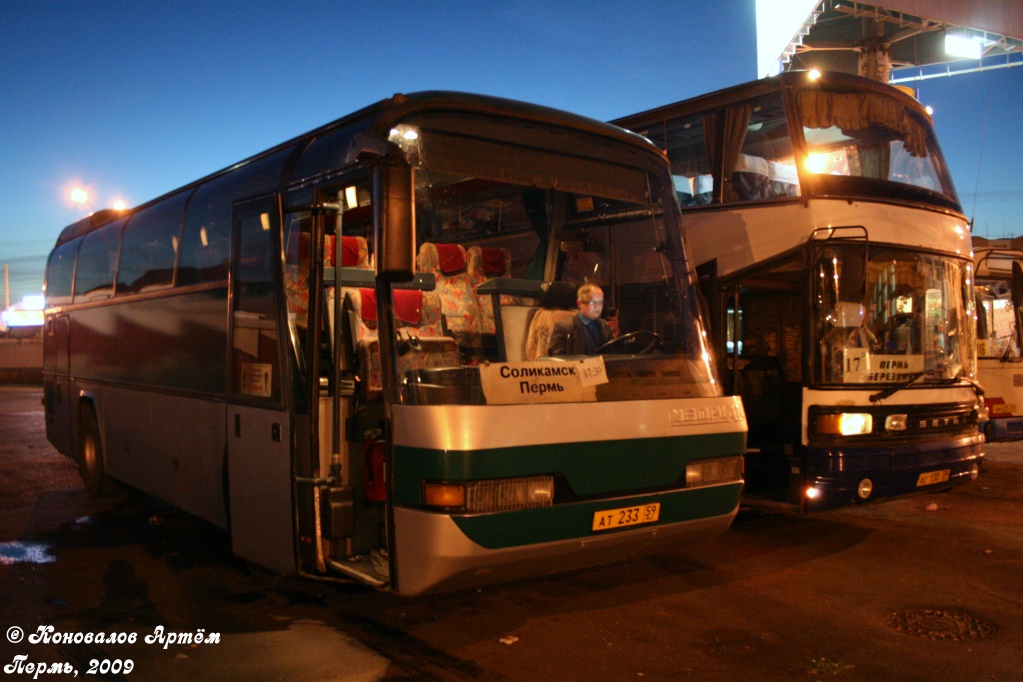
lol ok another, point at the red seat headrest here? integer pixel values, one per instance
(452, 258)
(408, 305)
(493, 262)
(349, 252)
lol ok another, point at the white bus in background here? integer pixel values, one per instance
(999, 286)
(835, 257)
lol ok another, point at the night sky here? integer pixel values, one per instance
(133, 99)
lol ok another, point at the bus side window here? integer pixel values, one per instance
(60, 273)
(149, 247)
(255, 357)
(97, 263)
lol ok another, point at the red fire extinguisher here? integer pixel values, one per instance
(376, 461)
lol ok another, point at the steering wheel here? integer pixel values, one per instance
(631, 338)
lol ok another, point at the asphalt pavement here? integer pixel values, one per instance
(924, 587)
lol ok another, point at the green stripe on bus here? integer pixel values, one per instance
(575, 521)
(593, 468)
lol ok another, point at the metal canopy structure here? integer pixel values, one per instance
(892, 41)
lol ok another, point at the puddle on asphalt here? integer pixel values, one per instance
(25, 553)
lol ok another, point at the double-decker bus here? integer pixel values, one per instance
(338, 349)
(998, 267)
(836, 260)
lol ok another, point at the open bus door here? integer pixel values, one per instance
(754, 323)
(343, 450)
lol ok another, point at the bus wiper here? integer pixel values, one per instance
(895, 388)
(977, 388)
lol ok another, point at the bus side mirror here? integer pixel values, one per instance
(395, 221)
(1017, 284)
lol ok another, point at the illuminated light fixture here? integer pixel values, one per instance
(845, 424)
(816, 162)
(444, 495)
(895, 422)
(865, 488)
(403, 134)
(264, 221)
(812, 493)
(351, 196)
(28, 313)
(814, 74)
(496, 495)
(119, 205)
(963, 47)
(929, 109)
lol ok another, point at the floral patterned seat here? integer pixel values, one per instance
(417, 318)
(541, 327)
(459, 306)
(483, 264)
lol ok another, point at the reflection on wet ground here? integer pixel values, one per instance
(25, 553)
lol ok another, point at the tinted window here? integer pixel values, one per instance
(327, 152)
(206, 241)
(150, 246)
(60, 272)
(97, 263)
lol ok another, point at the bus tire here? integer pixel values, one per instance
(90, 456)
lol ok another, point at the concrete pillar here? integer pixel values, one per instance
(875, 62)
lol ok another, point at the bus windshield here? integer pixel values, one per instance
(996, 320)
(884, 315)
(501, 257)
(869, 135)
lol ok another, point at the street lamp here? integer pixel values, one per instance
(80, 196)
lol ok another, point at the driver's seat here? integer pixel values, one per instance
(541, 327)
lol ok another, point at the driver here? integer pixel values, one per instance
(584, 333)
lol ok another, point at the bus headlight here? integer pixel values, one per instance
(497, 495)
(845, 424)
(704, 472)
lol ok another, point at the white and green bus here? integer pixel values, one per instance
(338, 350)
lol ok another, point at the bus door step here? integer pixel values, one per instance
(373, 569)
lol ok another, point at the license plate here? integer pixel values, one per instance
(932, 477)
(626, 516)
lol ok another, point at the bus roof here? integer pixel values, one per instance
(743, 91)
(380, 118)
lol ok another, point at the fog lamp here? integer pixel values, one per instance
(895, 422)
(865, 488)
(703, 472)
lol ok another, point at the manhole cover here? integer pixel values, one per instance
(940, 624)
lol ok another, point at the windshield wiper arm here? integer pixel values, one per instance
(895, 388)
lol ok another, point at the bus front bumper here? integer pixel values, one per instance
(434, 553)
(840, 477)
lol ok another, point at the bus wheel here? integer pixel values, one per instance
(90, 456)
